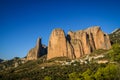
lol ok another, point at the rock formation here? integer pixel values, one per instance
(57, 44)
(37, 51)
(101, 40)
(77, 43)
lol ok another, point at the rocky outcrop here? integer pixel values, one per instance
(37, 51)
(78, 43)
(57, 46)
(100, 39)
(80, 39)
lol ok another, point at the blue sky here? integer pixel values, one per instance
(23, 21)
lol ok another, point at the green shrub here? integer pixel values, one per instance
(116, 48)
(87, 75)
(114, 54)
(74, 76)
(47, 78)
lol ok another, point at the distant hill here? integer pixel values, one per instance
(9, 64)
(115, 36)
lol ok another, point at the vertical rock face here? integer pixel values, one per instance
(37, 51)
(57, 46)
(80, 42)
(101, 40)
(77, 43)
(70, 51)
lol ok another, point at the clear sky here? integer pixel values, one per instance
(23, 21)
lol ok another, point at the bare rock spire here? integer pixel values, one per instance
(57, 46)
(37, 51)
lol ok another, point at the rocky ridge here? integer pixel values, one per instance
(77, 44)
(73, 45)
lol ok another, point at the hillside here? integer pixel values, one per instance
(115, 36)
(9, 64)
(88, 67)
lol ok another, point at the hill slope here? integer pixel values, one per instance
(62, 68)
(115, 36)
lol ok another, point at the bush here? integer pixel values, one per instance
(47, 78)
(87, 75)
(114, 53)
(110, 72)
(74, 76)
(116, 48)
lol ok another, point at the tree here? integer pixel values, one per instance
(116, 48)
(111, 72)
(99, 75)
(87, 75)
(74, 76)
(114, 54)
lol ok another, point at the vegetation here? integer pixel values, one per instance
(47, 78)
(39, 69)
(114, 53)
(115, 37)
(99, 51)
(59, 59)
(92, 71)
